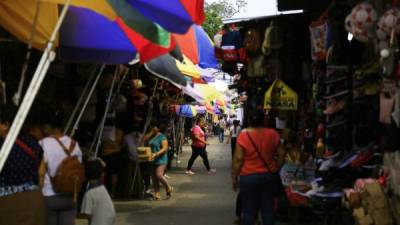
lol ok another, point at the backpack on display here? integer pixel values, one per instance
(273, 39)
(70, 173)
(252, 41)
(257, 67)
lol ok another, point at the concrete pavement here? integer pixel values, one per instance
(197, 200)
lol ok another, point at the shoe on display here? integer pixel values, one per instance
(335, 107)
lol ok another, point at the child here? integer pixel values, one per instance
(97, 205)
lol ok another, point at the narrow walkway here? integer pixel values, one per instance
(197, 200)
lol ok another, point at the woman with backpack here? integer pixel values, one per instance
(63, 178)
(254, 162)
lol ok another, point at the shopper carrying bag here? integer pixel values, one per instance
(257, 168)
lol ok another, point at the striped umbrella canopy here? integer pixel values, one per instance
(174, 15)
(110, 31)
(198, 47)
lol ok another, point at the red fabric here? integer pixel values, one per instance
(267, 141)
(197, 131)
(198, 81)
(242, 55)
(147, 49)
(218, 53)
(295, 199)
(188, 44)
(195, 9)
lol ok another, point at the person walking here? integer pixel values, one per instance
(254, 162)
(159, 148)
(234, 132)
(61, 208)
(21, 202)
(199, 145)
(222, 126)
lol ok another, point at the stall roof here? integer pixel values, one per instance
(245, 19)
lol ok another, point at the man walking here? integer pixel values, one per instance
(222, 126)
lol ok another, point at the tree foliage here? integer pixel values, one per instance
(218, 10)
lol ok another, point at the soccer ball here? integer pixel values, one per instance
(389, 20)
(364, 16)
(347, 24)
(382, 35)
(362, 35)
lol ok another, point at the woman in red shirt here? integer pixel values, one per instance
(254, 162)
(199, 145)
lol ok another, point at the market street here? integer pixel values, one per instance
(197, 200)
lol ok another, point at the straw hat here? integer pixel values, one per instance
(137, 84)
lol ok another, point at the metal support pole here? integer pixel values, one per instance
(79, 103)
(17, 96)
(40, 73)
(78, 120)
(103, 121)
(146, 126)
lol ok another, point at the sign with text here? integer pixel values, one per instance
(280, 96)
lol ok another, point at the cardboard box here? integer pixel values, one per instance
(144, 154)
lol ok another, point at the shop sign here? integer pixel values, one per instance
(280, 96)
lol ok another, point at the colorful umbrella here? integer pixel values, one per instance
(114, 17)
(207, 92)
(198, 47)
(201, 109)
(174, 15)
(86, 36)
(187, 111)
(168, 68)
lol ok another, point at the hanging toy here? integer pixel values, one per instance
(320, 148)
(347, 24)
(361, 22)
(364, 16)
(389, 20)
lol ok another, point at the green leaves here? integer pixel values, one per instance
(218, 10)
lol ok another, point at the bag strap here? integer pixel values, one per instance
(66, 150)
(28, 150)
(258, 152)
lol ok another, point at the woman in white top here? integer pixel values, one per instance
(234, 131)
(61, 209)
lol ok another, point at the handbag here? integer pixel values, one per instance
(278, 188)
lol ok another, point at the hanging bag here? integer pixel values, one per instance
(70, 173)
(252, 41)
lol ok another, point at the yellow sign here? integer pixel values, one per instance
(280, 96)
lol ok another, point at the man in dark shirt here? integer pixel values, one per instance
(19, 179)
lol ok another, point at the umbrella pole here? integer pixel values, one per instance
(78, 120)
(81, 98)
(99, 127)
(103, 121)
(146, 126)
(17, 96)
(40, 73)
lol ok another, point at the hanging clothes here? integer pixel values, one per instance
(232, 46)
